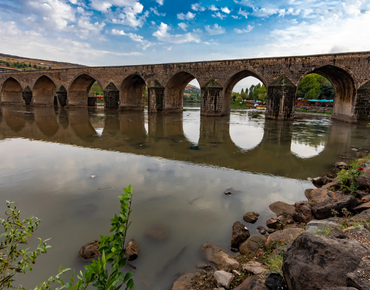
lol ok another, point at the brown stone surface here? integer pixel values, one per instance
(252, 245)
(252, 283)
(280, 207)
(284, 236)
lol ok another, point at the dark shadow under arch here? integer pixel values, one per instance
(132, 93)
(78, 94)
(43, 91)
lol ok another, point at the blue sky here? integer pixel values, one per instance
(121, 32)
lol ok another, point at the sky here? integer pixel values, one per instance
(126, 32)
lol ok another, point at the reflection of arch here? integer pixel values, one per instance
(79, 121)
(13, 118)
(132, 127)
(112, 123)
(344, 88)
(43, 91)
(79, 90)
(46, 121)
(132, 93)
(174, 91)
(230, 84)
(11, 92)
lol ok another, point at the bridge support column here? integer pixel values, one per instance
(27, 96)
(280, 99)
(362, 106)
(111, 96)
(62, 96)
(155, 97)
(212, 99)
(91, 101)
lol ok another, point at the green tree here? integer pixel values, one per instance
(314, 86)
(238, 99)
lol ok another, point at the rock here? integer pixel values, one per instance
(132, 250)
(223, 278)
(361, 194)
(341, 165)
(316, 262)
(363, 215)
(303, 212)
(270, 231)
(285, 219)
(261, 230)
(362, 207)
(273, 223)
(251, 217)
(362, 182)
(285, 236)
(365, 199)
(318, 181)
(90, 250)
(337, 234)
(239, 235)
(252, 245)
(183, 283)
(274, 281)
(321, 195)
(252, 283)
(308, 191)
(158, 232)
(334, 185)
(360, 277)
(254, 267)
(320, 226)
(360, 235)
(219, 258)
(325, 209)
(281, 207)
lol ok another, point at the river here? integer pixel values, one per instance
(67, 167)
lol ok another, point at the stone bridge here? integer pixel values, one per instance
(124, 85)
(164, 137)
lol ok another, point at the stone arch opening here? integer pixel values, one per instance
(78, 94)
(132, 93)
(11, 92)
(344, 88)
(44, 92)
(243, 78)
(174, 91)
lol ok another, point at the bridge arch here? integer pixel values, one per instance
(344, 87)
(131, 93)
(79, 88)
(43, 91)
(11, 92)
(174, 91)
(232, 81)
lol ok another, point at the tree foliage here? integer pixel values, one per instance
(314, 86)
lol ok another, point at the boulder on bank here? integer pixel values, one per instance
(316, 262)
(341, 165)
(360, 278)
(254, 267)
(90, 250)
(285, 236)
(252, 245)
(252, 283)
(251, 217)
(219, 257)
(223, 278)
(303, 212)
(183, 283)
(321, 195)
(239, 235)
(326, 209)
(273, 223)
(280, 208)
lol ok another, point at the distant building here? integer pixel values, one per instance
(7, 69)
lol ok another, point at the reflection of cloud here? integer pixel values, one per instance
(305, 150)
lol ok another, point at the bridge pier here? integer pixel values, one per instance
(281, 96)
(155, 97)
(111, 96)
(362, 107)
(62, 96)
(212, 99)
(27, 96)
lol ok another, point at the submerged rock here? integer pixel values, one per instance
(251, 217)
(90, 250)
(239, 235)
(157, 232)
(280, 208)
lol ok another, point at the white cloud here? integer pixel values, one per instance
(183, 26)
(243, 13)
(226, 10)
(213, 8)
(219, 15)
(215, 30)
(235, 16)
(187, 16)
(129, 16)
(105, 5)
(86, 28)
(248, 29)
(155, 11)
(160, 2)
(134, 37)
(163, 35)
(197, 7)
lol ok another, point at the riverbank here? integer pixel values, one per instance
(319, 243)
(313, 109)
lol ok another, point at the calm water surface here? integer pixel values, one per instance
(48, 157)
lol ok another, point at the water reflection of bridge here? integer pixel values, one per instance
(125, 132)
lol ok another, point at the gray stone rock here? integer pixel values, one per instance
(275, 281)
(285, 236)
(360, 277)
(363, 215)
(254, 267)
(218, 257)
(316, 262)
(280, 207)
(252, 245)
(261, 230)
(223, 278)
(239, 235)
(325, 209)
(362, 207)
(303, 212)
(320, 226)
(251, 217)
(273, 223)
(252, 283)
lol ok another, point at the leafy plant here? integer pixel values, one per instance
(14, 261)
(348, 178)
